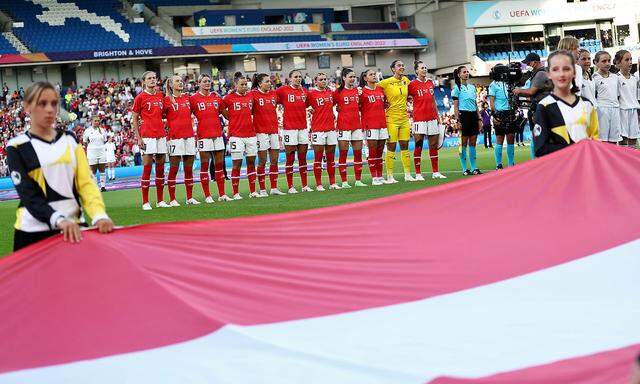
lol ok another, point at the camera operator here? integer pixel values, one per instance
(503, 115)
(541, 86)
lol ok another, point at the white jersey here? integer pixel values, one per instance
(607, 90)
(628, 92)
(110, 149)
(588, 91)
(95, 138)
(579, 79)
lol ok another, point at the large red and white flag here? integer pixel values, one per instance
(531, 274)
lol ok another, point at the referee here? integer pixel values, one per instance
(51, 174)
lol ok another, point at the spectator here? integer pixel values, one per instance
(202, 21)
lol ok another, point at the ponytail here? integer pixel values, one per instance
(257, 79)
(345, 72)
(168, 88)
(362, 82)
(456, 76)
(617, 59)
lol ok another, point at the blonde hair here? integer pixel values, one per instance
(144, 77)
(168, 88)
(568, 43)
(33, 93)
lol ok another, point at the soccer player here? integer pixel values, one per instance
(182, 141)
(347, 101)
(500, 109)
(426, 121)
(396, 91)
(293, 98)
(110, 150)
(563, 118)
(265, 121)
(372, 103)
(95, 137)
(469, 121)
(146, 121)
(238, 106)
(205, 106)
(588, 90)
(607, 94)
(628, 99)
(43, 160)
(323, 134)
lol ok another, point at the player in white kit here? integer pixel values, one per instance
(588, 88)
(94, 138)
(607, 94)
(110, 150)
(628, 99)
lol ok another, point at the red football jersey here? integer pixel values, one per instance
(294, 101)
(348, 109)
(207, 110)
(265, 119)
(178, 114)
(149, 107)
(372, 108)
(323, 119)
(424, 108)
(239, 111)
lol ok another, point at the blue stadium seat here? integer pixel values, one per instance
(6, 47)
(76, 34)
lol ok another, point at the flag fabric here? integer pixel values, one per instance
(530, 274)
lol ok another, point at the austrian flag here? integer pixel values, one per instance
(528, 275)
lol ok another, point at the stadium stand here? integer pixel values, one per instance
(6, 47)
(340, 27)
(77, 26)
(266, 16)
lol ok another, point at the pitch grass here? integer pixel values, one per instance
(124, 206)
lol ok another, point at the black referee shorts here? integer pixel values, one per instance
(469, 122)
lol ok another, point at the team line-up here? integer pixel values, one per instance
(366, 110)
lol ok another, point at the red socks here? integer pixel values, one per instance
(331, 166)
(204, 178)
(173, 172)
(235, 179)
(357, 163)
(372, 160)
(219, 176)
(273, 175)
(144, 183)
(251, 177)
(159, 182)
(261, 177)
(288, 168)
(433, 154)
(302, 167)
(317, 166)
(342, 165)
(188, 181)
(417, 158)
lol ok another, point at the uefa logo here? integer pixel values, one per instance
(497, 15)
